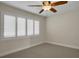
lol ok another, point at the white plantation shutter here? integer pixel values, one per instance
(21, 26)
(29, 27)
(9, 26)
(36, 27)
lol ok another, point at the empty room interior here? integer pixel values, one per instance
(39, 29)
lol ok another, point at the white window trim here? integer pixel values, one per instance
(2, 27)
(17, 27)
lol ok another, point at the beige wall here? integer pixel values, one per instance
(63, 29)
(8, 45)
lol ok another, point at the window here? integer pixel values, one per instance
(29, 27)
(9, 26)
(36, 27)
(16, 26)
(21, 26)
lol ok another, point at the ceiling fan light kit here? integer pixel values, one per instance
(46, 7)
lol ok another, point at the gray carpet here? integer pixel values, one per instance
(46, 51)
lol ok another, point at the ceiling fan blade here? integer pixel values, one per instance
(41, 11)
(35, 5)
(53, 10)
(58, 3)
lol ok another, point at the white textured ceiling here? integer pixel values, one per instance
(61, 9)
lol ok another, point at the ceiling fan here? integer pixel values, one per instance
(48, 5)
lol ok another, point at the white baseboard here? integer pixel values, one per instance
(65, 45)
(16, 50)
